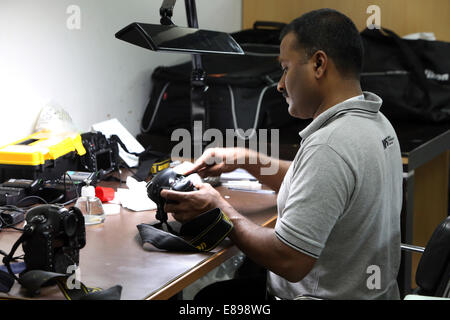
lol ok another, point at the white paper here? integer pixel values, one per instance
(243, 184)
(113, 126)
(111, 208)
(135, 197)
(183, 167)
(238, 174)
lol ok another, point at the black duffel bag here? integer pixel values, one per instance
(411, 76)
(241, 89)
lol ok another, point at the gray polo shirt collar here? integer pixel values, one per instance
(370, 103)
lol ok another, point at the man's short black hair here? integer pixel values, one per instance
(332, 32)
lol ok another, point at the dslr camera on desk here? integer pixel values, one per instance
(51, 241)
(102, 154)
(54, 166)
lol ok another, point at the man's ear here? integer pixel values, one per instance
(320, 60)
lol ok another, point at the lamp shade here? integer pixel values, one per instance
(178, 39)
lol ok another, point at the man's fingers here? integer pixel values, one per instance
(199, 165)
(204, 161)
(173, 195)
(211, 171)
(195, 168)
(201, 185)
(171, 207)
(179, 217)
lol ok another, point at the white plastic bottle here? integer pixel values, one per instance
(90, 206)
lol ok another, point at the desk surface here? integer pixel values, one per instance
(420, 143)
(114, 255)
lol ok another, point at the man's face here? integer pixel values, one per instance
(297, 84)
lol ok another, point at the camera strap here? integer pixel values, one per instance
(200, 234)
(71, 288)
(150, 161)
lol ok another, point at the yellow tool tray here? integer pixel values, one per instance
(40, 147)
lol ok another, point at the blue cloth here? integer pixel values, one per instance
(17, 267)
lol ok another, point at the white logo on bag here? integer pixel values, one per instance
(440, 77)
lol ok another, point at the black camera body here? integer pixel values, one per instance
(53, 237)
(166, 179)
(102, 154)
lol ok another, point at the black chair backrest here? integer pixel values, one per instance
(433, 272)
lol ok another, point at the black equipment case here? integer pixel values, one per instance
(242, 91)
(411, 76)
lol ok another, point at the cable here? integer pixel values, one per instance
(8, 258)
(70, 178)
(3, 253)
(134, 173)
(4, 224)
(32, 197)
(158, 102)
(61, 196)
(68, 202)
(258, 108)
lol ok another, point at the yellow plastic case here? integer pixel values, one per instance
(43, 154)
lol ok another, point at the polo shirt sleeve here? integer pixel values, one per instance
(320, 189)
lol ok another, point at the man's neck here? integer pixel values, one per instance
(346, 90)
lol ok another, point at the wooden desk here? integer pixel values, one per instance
(114, 255)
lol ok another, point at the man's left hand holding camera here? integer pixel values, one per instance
(185, 206)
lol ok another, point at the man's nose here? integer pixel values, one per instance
(280, 86)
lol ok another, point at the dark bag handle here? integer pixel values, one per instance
(410, 57)
(269, 24)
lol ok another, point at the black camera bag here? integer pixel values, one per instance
(411, 76)
(241, 89)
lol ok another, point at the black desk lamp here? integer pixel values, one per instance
(171, 38)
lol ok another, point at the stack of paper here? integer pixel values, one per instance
(238, 174)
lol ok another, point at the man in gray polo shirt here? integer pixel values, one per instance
(340, 202)
(338, 230)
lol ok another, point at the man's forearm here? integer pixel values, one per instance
(262, 246)
(267, 170)
(250, 238)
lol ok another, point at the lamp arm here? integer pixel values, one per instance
(191, 13)
(166, 12)
(198, 81)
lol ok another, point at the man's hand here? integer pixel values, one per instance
(215, 161)
(193, 203)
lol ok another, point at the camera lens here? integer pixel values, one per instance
(39, 219)
(183, 184)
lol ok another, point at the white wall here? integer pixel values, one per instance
(88, 72)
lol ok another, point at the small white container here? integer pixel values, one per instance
(90, 206)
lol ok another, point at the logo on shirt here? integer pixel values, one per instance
(387, 142)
